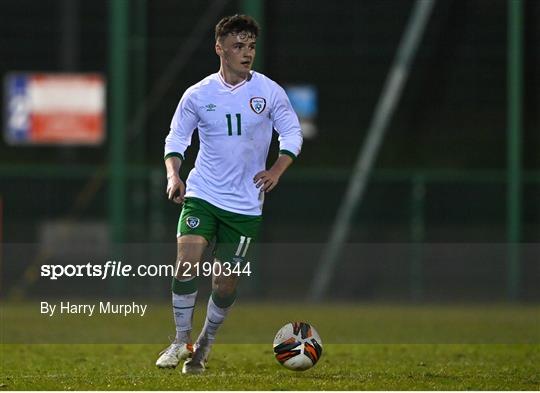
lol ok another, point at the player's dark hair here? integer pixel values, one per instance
(237, 24)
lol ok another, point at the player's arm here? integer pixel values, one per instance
(290, 140)
(183, 124)
(267, 180)
(175, 186)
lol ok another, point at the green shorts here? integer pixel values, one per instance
(235, 233)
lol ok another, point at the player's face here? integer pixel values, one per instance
(237, 53)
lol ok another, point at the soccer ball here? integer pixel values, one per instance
(297, 346)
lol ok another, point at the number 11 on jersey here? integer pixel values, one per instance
(238, 124)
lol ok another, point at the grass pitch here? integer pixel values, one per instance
(365, 348)
(252, 367)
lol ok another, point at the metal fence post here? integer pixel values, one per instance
(514, 190)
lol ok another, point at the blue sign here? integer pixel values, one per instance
(303, 99)
(17, 122)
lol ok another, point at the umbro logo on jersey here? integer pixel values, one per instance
(193, 222)
(257, 104)
(210, 108)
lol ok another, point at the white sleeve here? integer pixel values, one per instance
(183, 124)
(286, 123)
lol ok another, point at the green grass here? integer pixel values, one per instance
(366, 347)
(252, 367)
(257, 323)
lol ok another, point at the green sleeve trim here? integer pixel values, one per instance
(288, 153)
(174, 155)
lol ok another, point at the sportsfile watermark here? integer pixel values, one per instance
(118, 269)
(391, 293)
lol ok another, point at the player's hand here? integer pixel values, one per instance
(266, 180)
(176, 189)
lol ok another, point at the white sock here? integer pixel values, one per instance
(183, 306)
(214, 318)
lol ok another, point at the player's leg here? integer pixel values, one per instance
(235, 235)
(195, 228)
(220, 302)
(184, 294)
(184, 284)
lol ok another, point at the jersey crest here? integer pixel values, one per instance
(192, 222)
(257, 104)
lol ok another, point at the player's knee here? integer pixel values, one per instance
(224, 287)
(224, 290)
(191, 247)
(189, 253)
(186, 265)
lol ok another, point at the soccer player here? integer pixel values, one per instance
(235, 111)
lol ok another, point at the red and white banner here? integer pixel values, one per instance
(51, 109)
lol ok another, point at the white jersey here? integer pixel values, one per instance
(235, 126)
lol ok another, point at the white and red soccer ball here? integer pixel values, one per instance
(297, 346)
